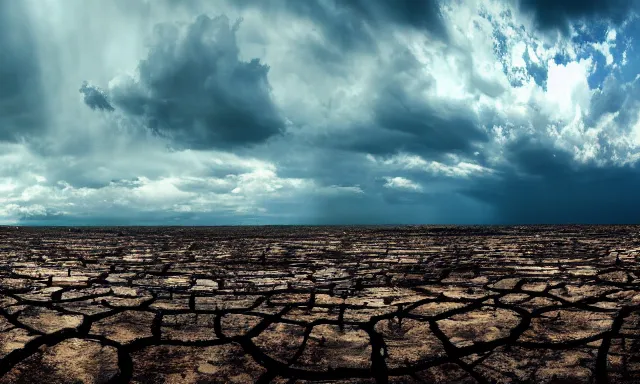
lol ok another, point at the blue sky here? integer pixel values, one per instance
(319, 112)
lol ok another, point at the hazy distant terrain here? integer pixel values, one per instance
(299, 304)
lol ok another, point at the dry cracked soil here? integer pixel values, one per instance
(540, 304)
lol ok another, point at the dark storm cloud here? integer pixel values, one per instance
(401, 119)
(95, 98)
(537, 158)
(440, 127)
(22, 109)
(193, 88)
(348, 23)
(393, 207)
(543, 185)
(589, 196)
(558, 14)
(420, 14)
(403, 122)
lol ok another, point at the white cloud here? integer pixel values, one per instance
(605, 49)
(517, 55)
(458, 168)
(401, 183)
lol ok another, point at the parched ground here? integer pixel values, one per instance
(301, 304)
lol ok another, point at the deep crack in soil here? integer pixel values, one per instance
(543, 304)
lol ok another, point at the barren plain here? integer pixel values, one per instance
(417, 304)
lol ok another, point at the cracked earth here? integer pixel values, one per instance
(299, 304)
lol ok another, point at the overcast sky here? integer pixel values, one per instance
(319, 112)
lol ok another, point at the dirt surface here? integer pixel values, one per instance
(301, 304)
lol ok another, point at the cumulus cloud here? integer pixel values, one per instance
(193, 88)
(207, 186)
